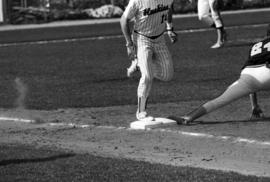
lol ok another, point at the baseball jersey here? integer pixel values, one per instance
(149, 15)
(259, 54)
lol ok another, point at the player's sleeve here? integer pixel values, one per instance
(131, 9)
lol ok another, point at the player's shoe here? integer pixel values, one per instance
(217, 45)
(132, 68)
(183, 121)
(221, 43)
(142, 116)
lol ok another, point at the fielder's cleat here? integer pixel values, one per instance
(132, 68)
(183, 121)
(142, 116)
(217, 45)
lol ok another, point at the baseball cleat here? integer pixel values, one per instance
(142, 116)
(132, 68)
(182, 121)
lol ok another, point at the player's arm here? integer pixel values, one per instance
(124, 21)
(126, 30)
(169, 25)
(256, 110)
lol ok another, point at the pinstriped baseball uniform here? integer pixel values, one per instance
(154, 58)
(203, 12)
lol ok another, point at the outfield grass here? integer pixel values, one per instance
(93, 73)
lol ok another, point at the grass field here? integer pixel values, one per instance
(91, 73)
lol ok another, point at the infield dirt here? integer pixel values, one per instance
(217, 141)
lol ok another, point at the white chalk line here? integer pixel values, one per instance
(231, 139)
(108, 37)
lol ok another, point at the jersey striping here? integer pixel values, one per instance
(150, 16)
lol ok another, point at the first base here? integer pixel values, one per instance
(158, 122)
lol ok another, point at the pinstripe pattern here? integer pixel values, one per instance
(154, 58)
(153, 24)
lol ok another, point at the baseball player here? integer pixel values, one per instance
(215, 20)
(255, 76)
(146, 43)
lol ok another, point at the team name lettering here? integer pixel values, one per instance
(159, 8)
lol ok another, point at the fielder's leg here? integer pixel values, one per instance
(238, 89)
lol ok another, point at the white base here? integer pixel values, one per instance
(159, 122)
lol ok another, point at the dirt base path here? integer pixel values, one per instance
(226, 140)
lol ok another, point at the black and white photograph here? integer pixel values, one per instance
(135, 90)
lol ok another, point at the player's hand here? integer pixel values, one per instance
(131, 52)
(172, 35)
(256, 113)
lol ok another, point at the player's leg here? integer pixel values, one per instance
(250, 81)
(203, 12)
(219, 25)
(145, 54)
(245, 85)
(162, 63)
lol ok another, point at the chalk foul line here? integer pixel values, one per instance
(235, 140)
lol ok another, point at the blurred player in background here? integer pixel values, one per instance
(147, 45)
(255, 76)
(214, 20)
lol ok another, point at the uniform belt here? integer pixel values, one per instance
(266, 64)
(150, 37)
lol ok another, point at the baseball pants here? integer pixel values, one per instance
(204, 6)
(154, 61)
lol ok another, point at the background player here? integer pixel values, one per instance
(151, 19)
(215, 20)
(255, 76)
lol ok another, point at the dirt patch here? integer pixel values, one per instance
(218, 145)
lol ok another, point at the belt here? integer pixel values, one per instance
(267, 65)
(150, 37)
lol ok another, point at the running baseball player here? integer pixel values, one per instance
(147, 44)
(254, 77)
(214, 20)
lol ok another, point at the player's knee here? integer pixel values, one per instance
(167, 77)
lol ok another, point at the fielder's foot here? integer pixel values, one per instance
(132, 68)
(184, 120)
(142, 116)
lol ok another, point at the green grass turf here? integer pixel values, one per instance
(32, 164)
(93, 73)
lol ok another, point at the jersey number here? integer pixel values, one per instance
(163, 18)
(258, 48)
